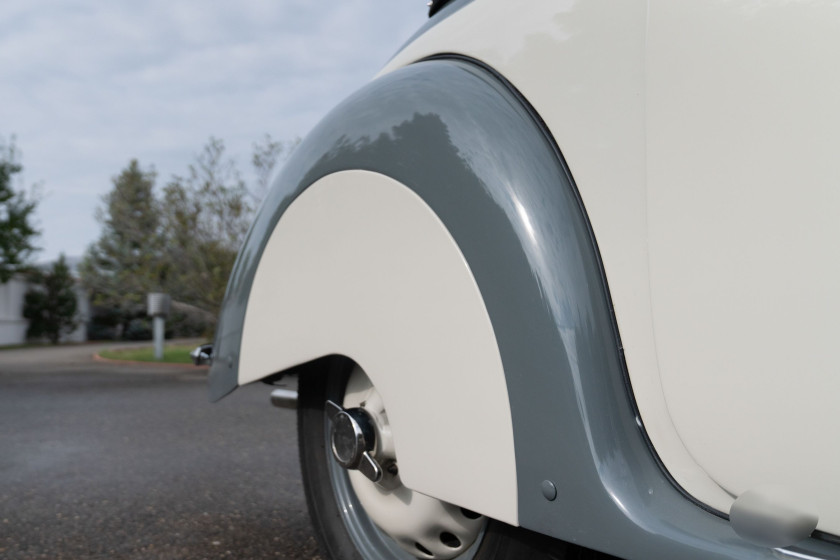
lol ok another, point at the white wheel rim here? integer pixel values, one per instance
(422, 526)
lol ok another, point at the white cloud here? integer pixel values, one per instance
(87, 85)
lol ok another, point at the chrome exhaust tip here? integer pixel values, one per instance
(203, 355)
(284, 398)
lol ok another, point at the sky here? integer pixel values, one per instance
(87, 85)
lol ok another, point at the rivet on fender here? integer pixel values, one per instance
(549, 490)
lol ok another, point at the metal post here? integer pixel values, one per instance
(159, 329)
(157, 305)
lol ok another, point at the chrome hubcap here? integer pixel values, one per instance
(352, 438)
(361, 441)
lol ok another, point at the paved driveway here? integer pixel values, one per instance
(112, 462)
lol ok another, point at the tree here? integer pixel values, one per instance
(16, 214)
(185, 242)
(268, 154)
(205, 218)
(50, 304)
(127, 261)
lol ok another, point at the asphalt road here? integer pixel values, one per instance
(131, 462)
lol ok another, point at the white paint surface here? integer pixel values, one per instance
(582, 66)
(703, 137)
(744, 230)
(359, 265)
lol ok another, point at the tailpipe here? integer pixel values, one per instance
(284, 398)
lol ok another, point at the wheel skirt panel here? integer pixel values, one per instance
(359, 265)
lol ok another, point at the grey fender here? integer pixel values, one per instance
(470, 147)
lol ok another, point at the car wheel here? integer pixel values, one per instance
(359, 507)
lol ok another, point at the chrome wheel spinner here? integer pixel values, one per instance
(359, 436)
(352, 439)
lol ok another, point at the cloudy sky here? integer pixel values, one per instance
(87, 85)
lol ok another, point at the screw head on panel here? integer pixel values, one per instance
(549, 490)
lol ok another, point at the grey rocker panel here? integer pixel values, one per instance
(474, 152)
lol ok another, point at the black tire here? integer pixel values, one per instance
(326, 379)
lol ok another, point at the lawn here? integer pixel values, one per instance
(172, 353)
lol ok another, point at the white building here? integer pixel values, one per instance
(12, 323)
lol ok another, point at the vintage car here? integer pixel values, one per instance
(562, 281)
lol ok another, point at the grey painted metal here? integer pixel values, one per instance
(549, 490)
(473, 150)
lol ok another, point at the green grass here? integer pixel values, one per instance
(172, 353)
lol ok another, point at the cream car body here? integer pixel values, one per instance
(702, 139)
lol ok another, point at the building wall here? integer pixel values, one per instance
(12, 324)
(82, 315)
